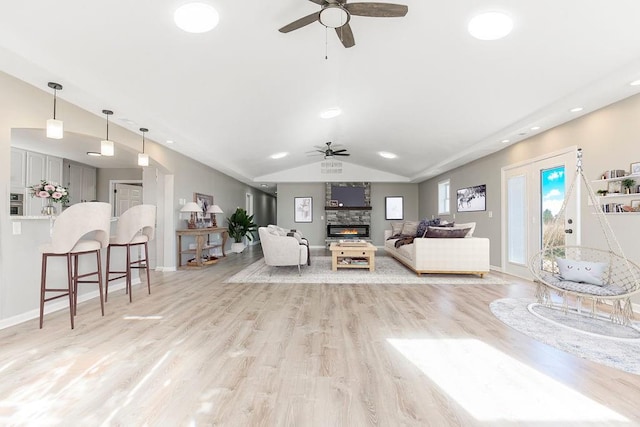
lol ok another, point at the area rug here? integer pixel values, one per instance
(387, 271)
(595, 339)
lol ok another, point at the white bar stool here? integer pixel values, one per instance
(136, 227)
(70, 238)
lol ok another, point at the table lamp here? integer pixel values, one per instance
(193, 208)
(213, 210)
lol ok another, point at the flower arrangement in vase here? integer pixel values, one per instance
(52, 192)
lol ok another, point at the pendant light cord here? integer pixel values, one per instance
(55, 92)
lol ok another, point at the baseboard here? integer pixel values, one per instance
(165, 269)
(61, 304)
(495, 268)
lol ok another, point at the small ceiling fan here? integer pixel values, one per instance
(330, 152)
(337, 14)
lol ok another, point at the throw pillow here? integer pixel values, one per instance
(582, 271)
(396, 228)
(422, 227)
(410, 228)
(446, 232)
(470, 225)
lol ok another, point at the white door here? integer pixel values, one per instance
(533, 196)
(126, 196)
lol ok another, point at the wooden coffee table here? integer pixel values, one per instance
(353, 255)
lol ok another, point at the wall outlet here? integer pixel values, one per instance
(490, 214)
(182, 202)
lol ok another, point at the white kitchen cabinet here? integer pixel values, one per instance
(18, 170)
(39, 166)
(81, 183)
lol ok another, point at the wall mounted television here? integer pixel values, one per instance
(348, 196)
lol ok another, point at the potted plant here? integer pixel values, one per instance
(602, 192)
(627, 183)
(240, 225)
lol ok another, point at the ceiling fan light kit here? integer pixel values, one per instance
(337, 14)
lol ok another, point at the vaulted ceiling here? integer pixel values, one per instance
(418, 86)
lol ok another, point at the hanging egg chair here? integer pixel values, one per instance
(597, 275)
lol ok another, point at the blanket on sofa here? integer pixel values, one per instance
(404, 240)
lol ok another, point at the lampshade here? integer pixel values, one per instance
(191, 207)
(106, 146)
(214, 209)
(55, 127)
(143, 159)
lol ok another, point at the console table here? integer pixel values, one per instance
(202, 243)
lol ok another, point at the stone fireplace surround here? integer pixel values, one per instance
(348, 216)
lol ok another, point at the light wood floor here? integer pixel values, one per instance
(199, 352)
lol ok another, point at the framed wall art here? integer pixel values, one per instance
(303, 209)
(471, 199)
(393, 207)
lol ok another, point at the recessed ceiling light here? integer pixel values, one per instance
(169, 141)
(264, 185)
(387, 155)
(331, 113)
(490, 26)
(535, 128)
(504, 141)
(196, 17)
(93, 154)
(577, 109)
(278, 155)
(635, 83)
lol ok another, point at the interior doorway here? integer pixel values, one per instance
(533, 193)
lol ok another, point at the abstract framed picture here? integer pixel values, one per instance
(204, 201)
(393, 207)
(302, 209)
(471, 199)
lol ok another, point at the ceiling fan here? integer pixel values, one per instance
(337, 14)
(330, 152)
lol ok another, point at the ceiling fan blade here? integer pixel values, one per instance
(300, 22)
(320, 2)
(380, 10)
(341, 154)
(346, 35)
(339, 151)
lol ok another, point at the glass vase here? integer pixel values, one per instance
(49, 209)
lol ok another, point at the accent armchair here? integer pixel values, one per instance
(282, 250)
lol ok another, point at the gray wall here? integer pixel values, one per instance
(316, 230)
(609, 138)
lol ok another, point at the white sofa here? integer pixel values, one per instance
(282, 250)
(467, 255)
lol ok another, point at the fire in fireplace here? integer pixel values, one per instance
(349, 231)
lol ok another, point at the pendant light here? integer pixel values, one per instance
(143, 159)
(54, 127)
(106, 146)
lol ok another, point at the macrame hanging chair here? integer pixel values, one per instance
(620, 279)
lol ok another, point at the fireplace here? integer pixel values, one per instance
(354, 231)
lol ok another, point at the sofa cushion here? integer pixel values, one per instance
(446, 232)
(410, 228)
(396, 228)
(422, 227)
(470, 225)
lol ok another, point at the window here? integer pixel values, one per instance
(443, 197)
